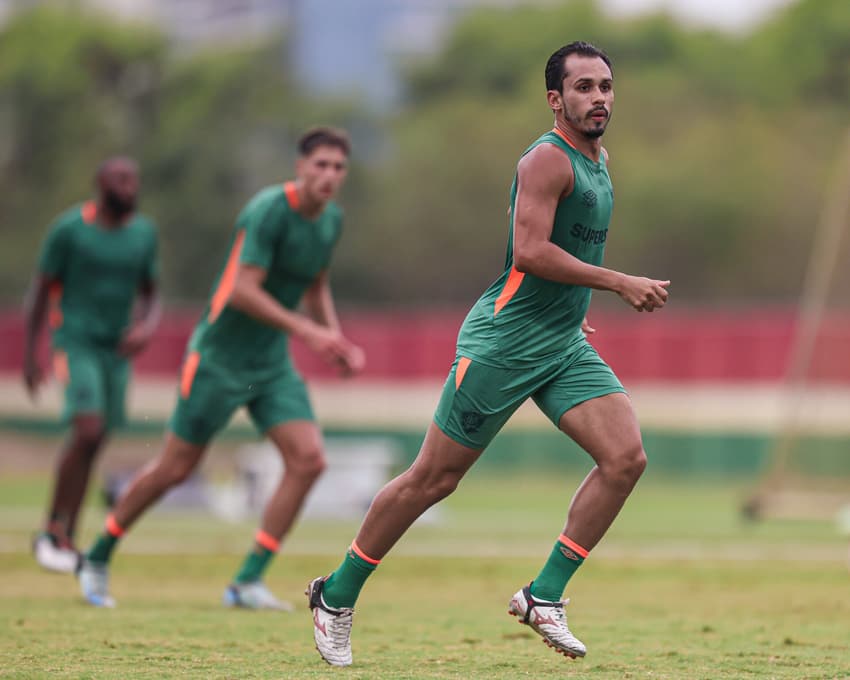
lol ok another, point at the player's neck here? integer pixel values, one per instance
(308, 207)
(109, 220)
(589, 146)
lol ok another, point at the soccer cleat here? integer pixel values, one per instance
(548, 620)
(94, 583)
(54, 557)
(253, 595)
(331, 627)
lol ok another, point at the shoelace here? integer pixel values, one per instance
(341, 629)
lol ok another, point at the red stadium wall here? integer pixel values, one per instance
(679, 347)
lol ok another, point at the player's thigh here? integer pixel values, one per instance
(280, 399)
(607, 428)
(477, 400)
(79, 370)
(582, 377)
(207, 398)
(116, 379)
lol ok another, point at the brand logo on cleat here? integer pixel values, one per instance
(318, 623)
(538, 619)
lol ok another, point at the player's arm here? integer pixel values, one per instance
(249, 297)
(35, 310)
(148, 314)
(544, 175)
(319, 304)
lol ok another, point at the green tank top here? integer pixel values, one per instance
(522, 320)
(272, 234)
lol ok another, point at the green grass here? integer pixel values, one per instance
(680, 588)
(434, 618)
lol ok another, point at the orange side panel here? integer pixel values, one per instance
(190, 368)
(511, 286)
(60, 367)
(228, 278)
(54, 305)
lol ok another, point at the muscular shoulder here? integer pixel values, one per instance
(547, 167)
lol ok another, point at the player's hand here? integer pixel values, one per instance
(353, 362)
(326, 342)
(643, 294)
(34, 376)
(586, 328)
(134, 340)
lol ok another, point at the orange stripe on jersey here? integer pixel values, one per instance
(228, 278)
(462, 365)
(187, 376)
(89, 212)
(511, 286)
(60, 367)
(54, 305)
(563, 135)
(291, 192)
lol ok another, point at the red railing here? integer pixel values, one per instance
(670, 346)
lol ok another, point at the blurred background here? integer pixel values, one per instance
(727, 136)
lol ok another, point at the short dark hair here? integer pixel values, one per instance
(323, 136)
(556, 66)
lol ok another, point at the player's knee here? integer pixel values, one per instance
(631, 464)
(309, 463)
(438, 485)
(88, 436)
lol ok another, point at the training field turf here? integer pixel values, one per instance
(680, 588)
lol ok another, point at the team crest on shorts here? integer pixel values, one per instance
(471, 421)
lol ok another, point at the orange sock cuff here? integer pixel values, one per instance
(113, 528)
(266, 540)
(363, 556)
(575, 547)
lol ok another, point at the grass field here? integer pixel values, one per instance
(680, 588)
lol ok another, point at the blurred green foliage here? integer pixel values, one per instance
(721, 146)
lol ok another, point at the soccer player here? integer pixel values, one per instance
(98, 259)
(238, 356)
(525, 337)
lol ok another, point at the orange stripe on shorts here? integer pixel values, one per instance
(462, 365)
(60, 367)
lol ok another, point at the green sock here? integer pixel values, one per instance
(102, 548)
(343, 586)
(566, 557)
(254, 565)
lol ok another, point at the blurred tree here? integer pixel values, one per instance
(720, 146)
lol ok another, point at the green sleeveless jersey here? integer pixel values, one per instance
(522, 320)
(96, 273)
(293, 250)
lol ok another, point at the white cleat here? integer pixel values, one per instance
(53, 557)
(94, 583)
(253, 595)
(331, 627)
(548, 620)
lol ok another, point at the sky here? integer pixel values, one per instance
(728, 14)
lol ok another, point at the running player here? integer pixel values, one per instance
(524, 338)
(97, 259)
(239, 356)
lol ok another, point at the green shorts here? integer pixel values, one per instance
(478, 399)
(210, 394)
(95, 380)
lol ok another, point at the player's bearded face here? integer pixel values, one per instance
(587, 95)
(118, 203)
